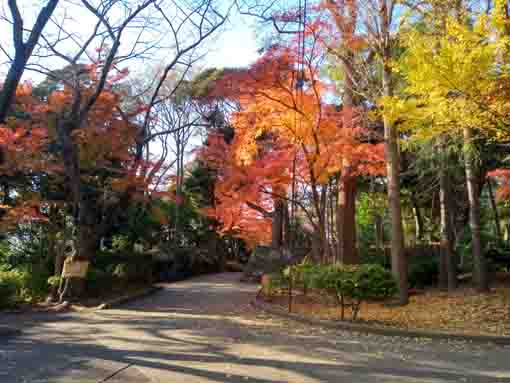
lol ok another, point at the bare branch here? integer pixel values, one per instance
(23, 51)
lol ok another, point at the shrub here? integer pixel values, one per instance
(12, 287)
(136, 270)
(35, 281)
(97, 279)
(423, 271)
(374, 282)
(8, 291)
(350, 285)
(54, 281)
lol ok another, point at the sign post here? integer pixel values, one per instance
(75, 268)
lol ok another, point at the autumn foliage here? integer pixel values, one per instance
(31, 146)
(285, 129)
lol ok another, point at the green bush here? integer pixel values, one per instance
(121, 271)
(54, 281)
(136, 270)
(12, 287)
(120, 243)
(97, 279)
(36, 280)
(8, 292)
(374, 282)
(423, 271)
(349, 284)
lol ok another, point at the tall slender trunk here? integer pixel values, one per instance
(286, 230)
(292, 217)
(277, 223)
(398, 256)
(346, 187)
(497, 221)
(347, 226)
(331, 224)
(379, 233)
(418, 219)
(319, 230)
(323, 226)
(55, 249)
(82, 202)
(480, 272)
(447, 270)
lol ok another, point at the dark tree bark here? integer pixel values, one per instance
(346, 198)
(286, 231)
(480, 271)
(398, 256)
(494, 206)
(324, 224)
(447, 269)
(346, 222)
(277, 225)
(385, 15)
(22, 51)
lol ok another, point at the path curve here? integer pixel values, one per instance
(205, 330)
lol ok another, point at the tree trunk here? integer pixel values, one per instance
(346, 221)
(8, 92)
(480, 272)
(398, 256)
(447, 269)
(331, 224)
(286, 229)
(70, 162)
(23, 51)
(418, 219)
(497, 221)
(55, 250)
(346, 186)
(323, 224)
(277, 223)
(87, 243)
(84, 206)
(379, 234)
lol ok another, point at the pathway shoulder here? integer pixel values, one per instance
(383, 330)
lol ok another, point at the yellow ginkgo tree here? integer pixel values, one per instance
(456, 84)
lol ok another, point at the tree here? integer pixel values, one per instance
(84, 97)
(368, 31)
(22, 51)
(459, 93)
(345, 16)
(274, 128)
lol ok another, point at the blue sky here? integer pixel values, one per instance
(234, 46)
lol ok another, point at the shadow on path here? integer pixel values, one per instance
(204, 330)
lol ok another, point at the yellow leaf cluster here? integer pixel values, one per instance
(454, 79)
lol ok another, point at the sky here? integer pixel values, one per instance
(234, 46)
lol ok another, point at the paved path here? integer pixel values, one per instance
(204, 330)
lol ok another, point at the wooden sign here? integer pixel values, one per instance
(75, 268)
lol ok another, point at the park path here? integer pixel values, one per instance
(204, 330)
